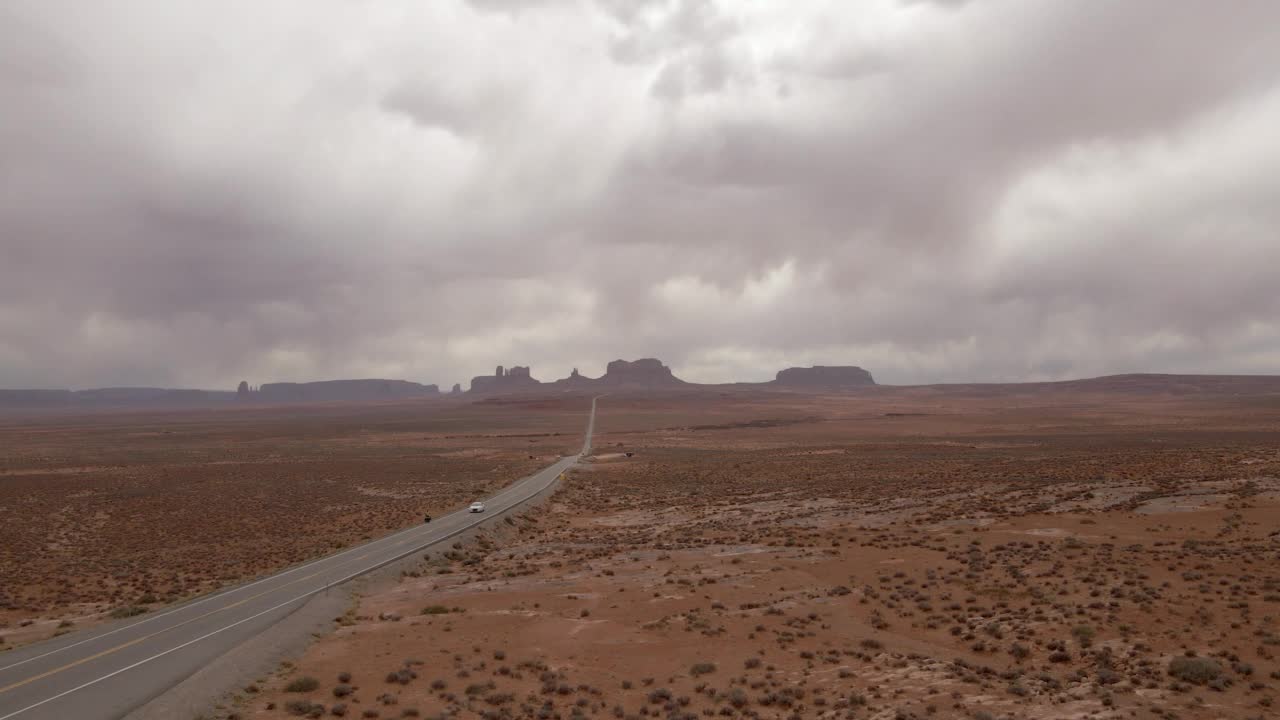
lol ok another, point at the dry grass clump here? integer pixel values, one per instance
(303, 684)
(1196, 670)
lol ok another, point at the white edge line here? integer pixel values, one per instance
(280, 605)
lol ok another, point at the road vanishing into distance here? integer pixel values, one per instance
(107, 672)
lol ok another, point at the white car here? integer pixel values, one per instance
(476, 506)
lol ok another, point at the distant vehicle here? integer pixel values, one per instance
(426, 519)
(476, 506)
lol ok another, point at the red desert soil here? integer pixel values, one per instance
(123, 512)
(908, 555)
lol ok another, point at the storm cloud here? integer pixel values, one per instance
(193, 193)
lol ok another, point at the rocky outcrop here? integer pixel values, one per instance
(822, 376)
(457, 389)
(643, 373)
(513, 379)
(343, 391)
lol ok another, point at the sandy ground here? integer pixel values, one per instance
(789, 558)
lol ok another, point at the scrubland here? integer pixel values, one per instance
(886, 554)
(864, 556)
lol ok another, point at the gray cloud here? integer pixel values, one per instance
(990, 190)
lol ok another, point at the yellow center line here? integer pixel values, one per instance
(70, 665)
(135, 641)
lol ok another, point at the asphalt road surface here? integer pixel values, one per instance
(108, 671)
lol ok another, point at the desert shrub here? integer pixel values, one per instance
(128, 611)
(702, 668)
(1083, 635)
(435, 610)
(306, 683)
(300, 708)
(338, 710)
(1195, 670)
(341, 690)
(751, 663)
(344, 677)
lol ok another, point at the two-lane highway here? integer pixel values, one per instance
(108, 671)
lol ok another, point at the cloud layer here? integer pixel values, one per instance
(195, 193)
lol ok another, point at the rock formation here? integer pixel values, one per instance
(457, 389)
(643, 373)
(575, 381)
(821, 376)
(343, 391)
(512, 379)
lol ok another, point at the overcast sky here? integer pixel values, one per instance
(192, 193)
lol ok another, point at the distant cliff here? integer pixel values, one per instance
(340, 391)
(651, 374)
(621, 376)
(822, 376)
(512, 379)
(643, 373)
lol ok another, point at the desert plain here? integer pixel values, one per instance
(889, 553)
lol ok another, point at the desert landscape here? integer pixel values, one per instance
(1051, 552)
(640, 360)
